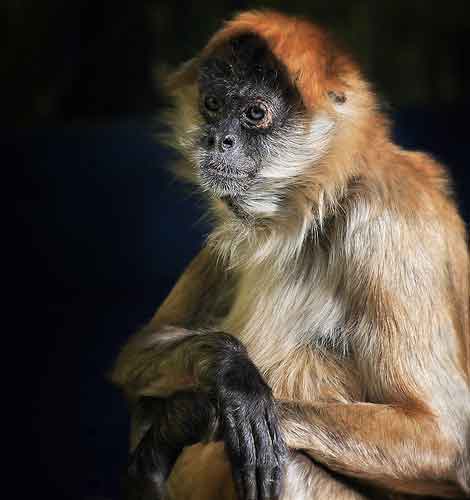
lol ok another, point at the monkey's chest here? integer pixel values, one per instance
(291, 328)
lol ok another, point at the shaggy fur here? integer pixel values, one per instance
(348, 283)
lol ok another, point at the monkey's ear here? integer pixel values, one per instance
(172, 81)
(337, 96)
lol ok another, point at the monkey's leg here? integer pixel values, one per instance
(385, 445)
(306, 480)
(202, 472)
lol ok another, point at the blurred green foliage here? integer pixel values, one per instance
(84, 58)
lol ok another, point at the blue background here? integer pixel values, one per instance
(100, 231)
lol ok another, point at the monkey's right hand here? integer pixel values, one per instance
(176, 422)
(249, 422)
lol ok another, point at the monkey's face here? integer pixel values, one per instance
(249, 111)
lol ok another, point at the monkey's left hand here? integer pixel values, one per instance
(249, 423)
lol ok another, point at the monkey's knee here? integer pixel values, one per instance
(202, 472)
(305, 480)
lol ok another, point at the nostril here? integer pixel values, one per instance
(228, 142)
(211, 141)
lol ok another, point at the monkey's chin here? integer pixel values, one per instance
(224, 184)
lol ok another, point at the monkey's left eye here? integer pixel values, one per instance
(212, 104)
(256, 112)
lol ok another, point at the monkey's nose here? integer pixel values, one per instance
(228, 142)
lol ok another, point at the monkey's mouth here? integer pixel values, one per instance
(227, 174)
(224, 181)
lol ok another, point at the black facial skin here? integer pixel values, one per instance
(237, 408)
(247, 102)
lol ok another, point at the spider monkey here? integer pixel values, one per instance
(318, 345)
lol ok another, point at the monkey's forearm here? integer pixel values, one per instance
(157, 363)
(172, 359)
(385, 445)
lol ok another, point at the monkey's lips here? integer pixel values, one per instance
(227, 174)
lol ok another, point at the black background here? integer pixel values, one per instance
(100, 231)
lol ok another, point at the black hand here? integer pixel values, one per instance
(250, 425)
(148, 469)
(178, 421)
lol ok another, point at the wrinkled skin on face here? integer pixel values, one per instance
(248, 104)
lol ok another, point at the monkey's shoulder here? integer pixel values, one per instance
(405, 186)
(417, 173)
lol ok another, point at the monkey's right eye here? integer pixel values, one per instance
(212, 104)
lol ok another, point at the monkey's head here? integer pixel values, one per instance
(248, 109)
(261, 107)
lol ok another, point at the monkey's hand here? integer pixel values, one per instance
(178, 421)
(232, 395)
(249, 423)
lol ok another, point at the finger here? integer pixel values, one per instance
(269, 482)
(231, 438)
(266, 460)
(154, 490)
(250, 483)
(277, 476)
(248, 459)
(277, 439)
(146, 474)
(239, 482)
(242, 454)
(262, 442)
(270, 458)
(233, 448)
(264, 483)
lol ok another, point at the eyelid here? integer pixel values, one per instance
(265, 122)
(205, 110)
(258, 105)
(216, 100)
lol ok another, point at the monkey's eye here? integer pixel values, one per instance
(212, 104)
(256, 112)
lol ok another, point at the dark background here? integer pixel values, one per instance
(100, 231)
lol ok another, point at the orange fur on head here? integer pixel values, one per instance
(314, 61)
(311, 57)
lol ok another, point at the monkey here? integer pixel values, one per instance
(318, 345)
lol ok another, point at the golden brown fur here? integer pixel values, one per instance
(351, 294)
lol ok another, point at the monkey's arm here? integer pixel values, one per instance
(162, 360)
(406, 325)
(394, 447)
(217, 365)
